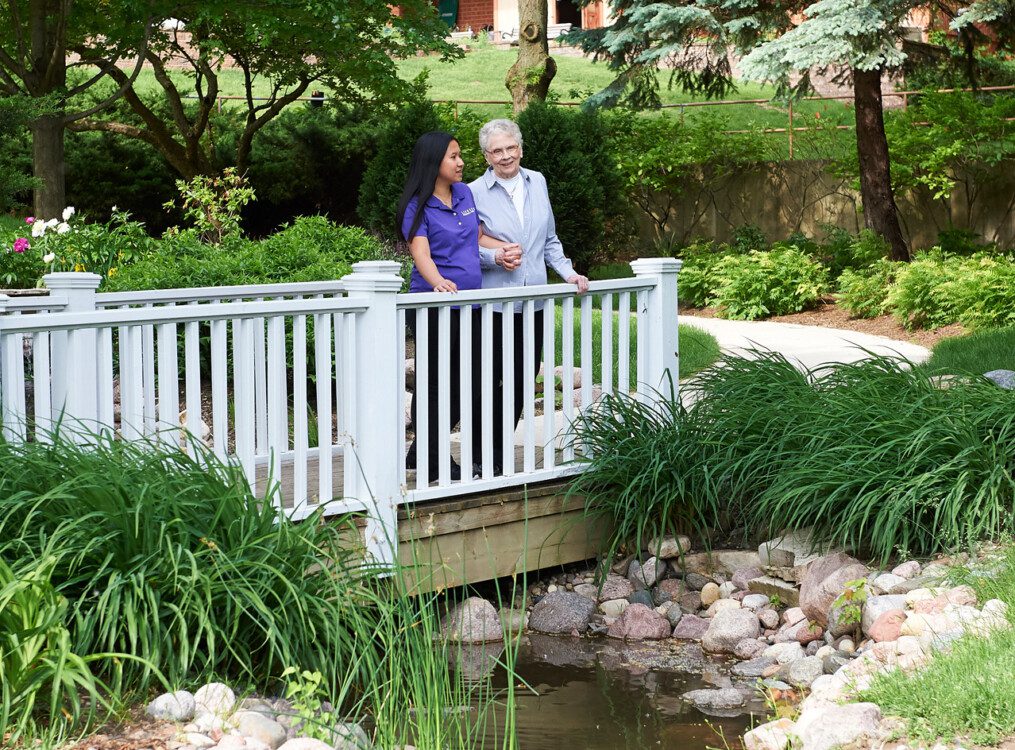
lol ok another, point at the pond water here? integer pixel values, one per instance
(602, 694)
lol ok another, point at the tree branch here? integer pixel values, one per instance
(107, 70)
(22, 49)
(256, 123)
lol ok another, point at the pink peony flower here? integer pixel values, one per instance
(21, 244)
(29, 219)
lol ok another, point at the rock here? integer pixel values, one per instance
(691, 628)
(1003, 378)
(834, 661)
(621, 567)
(178, 706)
(793, 615)
(214, 698)
(723, 698)
(588, 590)
(846, 645)
(824, 651)
(615, 587)
(690, 602)
(808, 633)
(639, 623)
(729, 627)
(350, 736)
(745, 575)
(669, 547)
(769, 618)
(792, 548)
(561, 612)
(641, 597)
(668, 590)
(709, 594)
(919, 595)
(911, 584)
(907, 570)
(198, 740)
(755, 602)
(825, 581)
(260, 727)
(755, 667)
(875, 606)
(645, 576)
(674, 615)
(803, 672)
(513, 620)
(726, 590)
(787, 593)
(962, 596)
(749, 648)
(828, 725)
(236, 742)
(884, 583)
(696, 581)
(784, 653)
(729, 561)
(699, 563)
(614, 607)
(305, 743)
(887, 627)
(475, 621)
(775, 735)
(721, 604)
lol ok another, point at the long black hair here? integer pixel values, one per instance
(427, 155)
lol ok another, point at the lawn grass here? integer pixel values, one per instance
(976, 353)
(698, 349)
(965, 694)
(13, 225)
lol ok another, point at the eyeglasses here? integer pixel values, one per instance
(497, 153)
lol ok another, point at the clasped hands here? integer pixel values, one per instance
(509, 257)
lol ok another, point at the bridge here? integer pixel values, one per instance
(305, 386)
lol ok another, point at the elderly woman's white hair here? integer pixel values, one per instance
(508, 127)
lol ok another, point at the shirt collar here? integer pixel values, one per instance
(457, 196)
(490, 179)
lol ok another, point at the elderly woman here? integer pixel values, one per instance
(514, 207)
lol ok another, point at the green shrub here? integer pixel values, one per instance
(18, 270)
(841, 251)
(865, 292)
(760, 284)
(15, 151)
(935, 289)
(873, 455)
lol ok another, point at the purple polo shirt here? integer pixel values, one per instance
(454, 238)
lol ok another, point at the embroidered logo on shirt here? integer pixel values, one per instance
(468, 211)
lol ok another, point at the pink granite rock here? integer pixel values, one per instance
(639, 623)
(887, 626)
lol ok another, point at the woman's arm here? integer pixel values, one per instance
(419, 248)
(506, 254)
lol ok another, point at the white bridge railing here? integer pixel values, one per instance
(306, 386)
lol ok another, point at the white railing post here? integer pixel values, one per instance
(74, 360)
(662, 355)
(375, 399)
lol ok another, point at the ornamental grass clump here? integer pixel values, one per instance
(170, 557)
(874, 456)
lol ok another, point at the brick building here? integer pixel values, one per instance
(502, 15)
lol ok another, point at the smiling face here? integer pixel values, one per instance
(504, 154)
(452, 166)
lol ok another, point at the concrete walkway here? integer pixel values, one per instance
(808, 345)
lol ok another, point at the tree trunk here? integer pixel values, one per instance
(879, 210)
(47, 158)
(530, 76)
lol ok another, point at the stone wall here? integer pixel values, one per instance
(803, 195)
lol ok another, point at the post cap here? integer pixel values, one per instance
(655, 266)
(72, 280)
(374, 276)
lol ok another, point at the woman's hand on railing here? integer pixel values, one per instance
(582, 282)
(445, 285)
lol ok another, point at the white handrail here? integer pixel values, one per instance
(517, 293)
(218, 293)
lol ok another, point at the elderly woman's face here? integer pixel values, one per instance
(504, 154)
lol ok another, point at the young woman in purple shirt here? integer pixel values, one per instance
(444, 237)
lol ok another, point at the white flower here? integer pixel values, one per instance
(63, 228)
(68, 212)
(38, 228)
(113, 209)
(52, 223)
(48, 257)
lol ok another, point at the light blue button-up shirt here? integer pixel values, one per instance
(537, 235)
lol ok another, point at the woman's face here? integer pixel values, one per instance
(452, 166)
(504, 154)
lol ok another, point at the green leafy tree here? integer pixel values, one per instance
(283, 48)
(14, 179)
(37, 37)
(857, 40)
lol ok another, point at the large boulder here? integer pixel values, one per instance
(824, 582)
(615, 587)
(178, 706)
(1004, 378)
(829, 725)
(640, 623)
(561, 613)
(475, 621)
(716, 699)
(728, 628)
(691, 628)
(669, 547)
(875, 606)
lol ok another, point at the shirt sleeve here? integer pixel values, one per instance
(553, 250)
(487, 257)
(423, 230)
